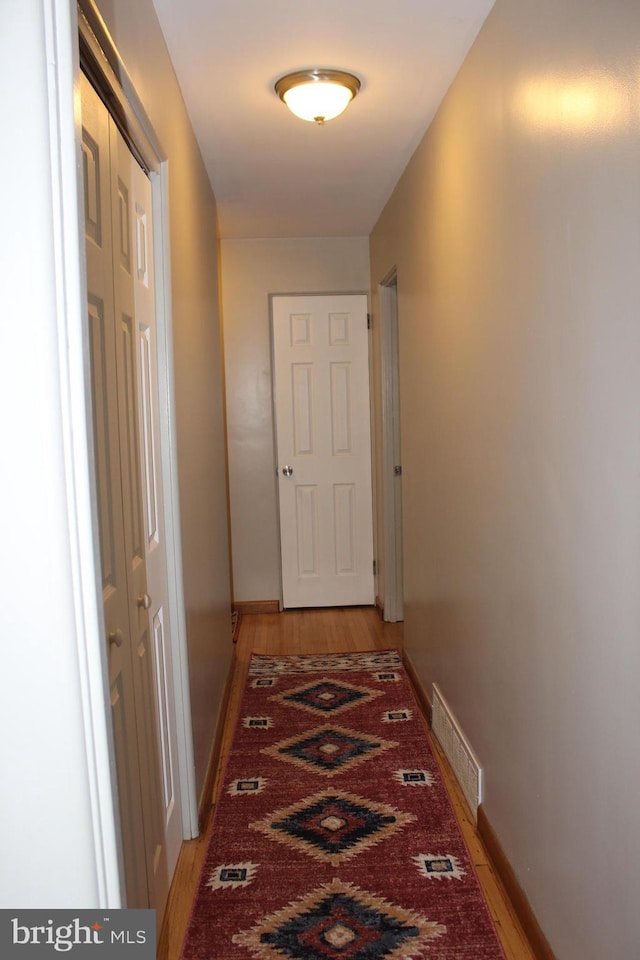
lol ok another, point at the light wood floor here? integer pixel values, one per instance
(320, 632)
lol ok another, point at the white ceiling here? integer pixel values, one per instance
(275, 175)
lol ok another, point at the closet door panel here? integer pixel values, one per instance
(140, 599)
(153, 513)
(108, 469)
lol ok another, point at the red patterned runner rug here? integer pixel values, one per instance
(333, 836)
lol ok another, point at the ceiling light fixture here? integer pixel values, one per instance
(317, 95)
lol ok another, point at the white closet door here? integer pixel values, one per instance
(124, 377)
(125, 267)
(115, 591)
(153, 518)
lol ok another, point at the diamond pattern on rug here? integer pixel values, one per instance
(333, 826)
(388, 676)
(227, 876)
(439, 866)
(257, 723)
(414, 778)
(249, 786)
(340, 920)
(328, 750)
(261, 682)
(397, 716)
(326, 696)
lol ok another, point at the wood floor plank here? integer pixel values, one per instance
(326, 631)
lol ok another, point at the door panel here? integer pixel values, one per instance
(131, 824)
(303, 392)
(307, 530)
(151, 530)
(341, 409)
(162, 694)
(154, 543)
(344, 501)
(149, 771)
(321, 390)
(105, 452)
(131, 460)
(93, 187)
(122, 207)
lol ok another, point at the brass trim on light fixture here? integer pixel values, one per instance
(320, 75)
(286, 83)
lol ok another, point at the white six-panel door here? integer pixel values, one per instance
(125, 268)
(152, 502)
(122, 338)
(321, 393)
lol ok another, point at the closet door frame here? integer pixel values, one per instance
(100, 59)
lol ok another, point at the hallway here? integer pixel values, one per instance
(326, 631)
(513, 236)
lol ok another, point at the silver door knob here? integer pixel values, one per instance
(287, 471)
(144, 601)
(115, 637)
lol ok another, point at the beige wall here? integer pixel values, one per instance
(251, 270)
(516, 234)
(198, 365)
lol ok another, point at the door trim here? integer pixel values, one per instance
(100, 56)
(392, 599)
(61, 30)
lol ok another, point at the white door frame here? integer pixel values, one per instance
(145, 143)
(392, 593)
(73, 392)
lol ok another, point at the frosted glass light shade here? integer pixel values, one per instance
(317, 95)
